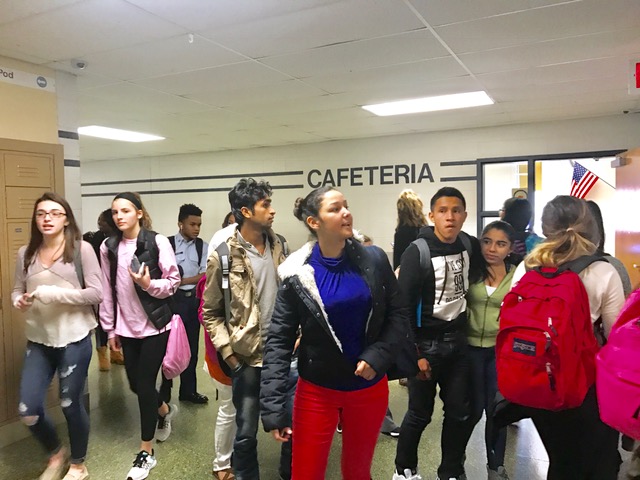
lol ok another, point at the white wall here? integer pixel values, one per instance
(373, 203)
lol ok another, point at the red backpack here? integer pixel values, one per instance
(546, 348)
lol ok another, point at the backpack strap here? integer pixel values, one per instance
(77, 262)
(425, 267)
(466, 242)
(223, 255)
(580, 263)
(199, 247)
(285, 245)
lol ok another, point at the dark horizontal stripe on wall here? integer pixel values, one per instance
(458, 179)
(66, 134)
(202, 177)
(71, 163)
(187, 190)
(458, 162)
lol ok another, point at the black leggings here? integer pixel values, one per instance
(579, 444)
(142, 361)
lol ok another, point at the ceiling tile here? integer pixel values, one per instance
(540, 25)
(597, 45)
(196, 15)
(255, 95)
(443, 12)
(361, 55)
(239, 75)
(12, 11)
(78, 29)
(161, 57)
(327, 23)
(395, 79)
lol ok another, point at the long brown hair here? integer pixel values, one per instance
(135, 199)
(410, 209)
(72, 233)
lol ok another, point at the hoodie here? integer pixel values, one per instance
(442, 289)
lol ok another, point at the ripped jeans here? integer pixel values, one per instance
(40, 364)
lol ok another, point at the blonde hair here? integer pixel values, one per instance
(410, 209)
(571, 232)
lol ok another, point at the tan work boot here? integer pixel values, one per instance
(117, 357)
(103, 359)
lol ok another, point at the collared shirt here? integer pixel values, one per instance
(187, 259)
(266, 278)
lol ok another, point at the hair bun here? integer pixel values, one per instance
(298, 207)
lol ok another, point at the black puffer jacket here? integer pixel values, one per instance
(159, 310)
(321, 360)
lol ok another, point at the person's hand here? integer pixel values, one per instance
(365, 371)
(114, 344)
(425, 369)
(24, 301)
(141, 277)
(283, 435)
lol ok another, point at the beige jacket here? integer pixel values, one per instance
(241, 335)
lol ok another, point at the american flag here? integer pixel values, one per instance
(583, 180)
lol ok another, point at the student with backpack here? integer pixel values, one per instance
(433, 293)
(57, 281)
(191, 258)
(238, 302)
(546, 345)
(139, 275)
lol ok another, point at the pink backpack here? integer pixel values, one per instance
(618, 372)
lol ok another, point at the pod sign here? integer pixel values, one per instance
(26, 79)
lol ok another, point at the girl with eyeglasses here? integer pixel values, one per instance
(57, 296)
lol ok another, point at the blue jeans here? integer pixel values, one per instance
(484, 381)
(246, 399)
(71, 363)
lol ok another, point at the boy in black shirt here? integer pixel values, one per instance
(435, 298)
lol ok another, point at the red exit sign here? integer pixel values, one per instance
(634, 77)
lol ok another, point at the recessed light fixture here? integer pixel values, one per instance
(431, 104)
(117, 134)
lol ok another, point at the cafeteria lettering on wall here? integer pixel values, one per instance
(372, 175)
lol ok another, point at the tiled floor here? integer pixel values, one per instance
(187, 454)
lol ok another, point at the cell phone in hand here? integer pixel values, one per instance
(135, 264)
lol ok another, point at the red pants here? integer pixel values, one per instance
(316, 412)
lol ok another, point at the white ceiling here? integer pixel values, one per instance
(277, 72)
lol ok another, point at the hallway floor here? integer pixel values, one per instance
(187, 454)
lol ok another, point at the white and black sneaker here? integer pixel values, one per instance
(144, 462)
(407, 474)
(163, 430)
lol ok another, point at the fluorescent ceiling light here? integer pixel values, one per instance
(117, 134)
(431, 104)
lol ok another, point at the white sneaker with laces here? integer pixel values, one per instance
(406, 475)
(163, 429)
(144, 462)
(498, 474)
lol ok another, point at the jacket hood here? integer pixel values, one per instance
(428, 233)
(296, 266)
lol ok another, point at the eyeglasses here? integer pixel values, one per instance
(51, 213)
